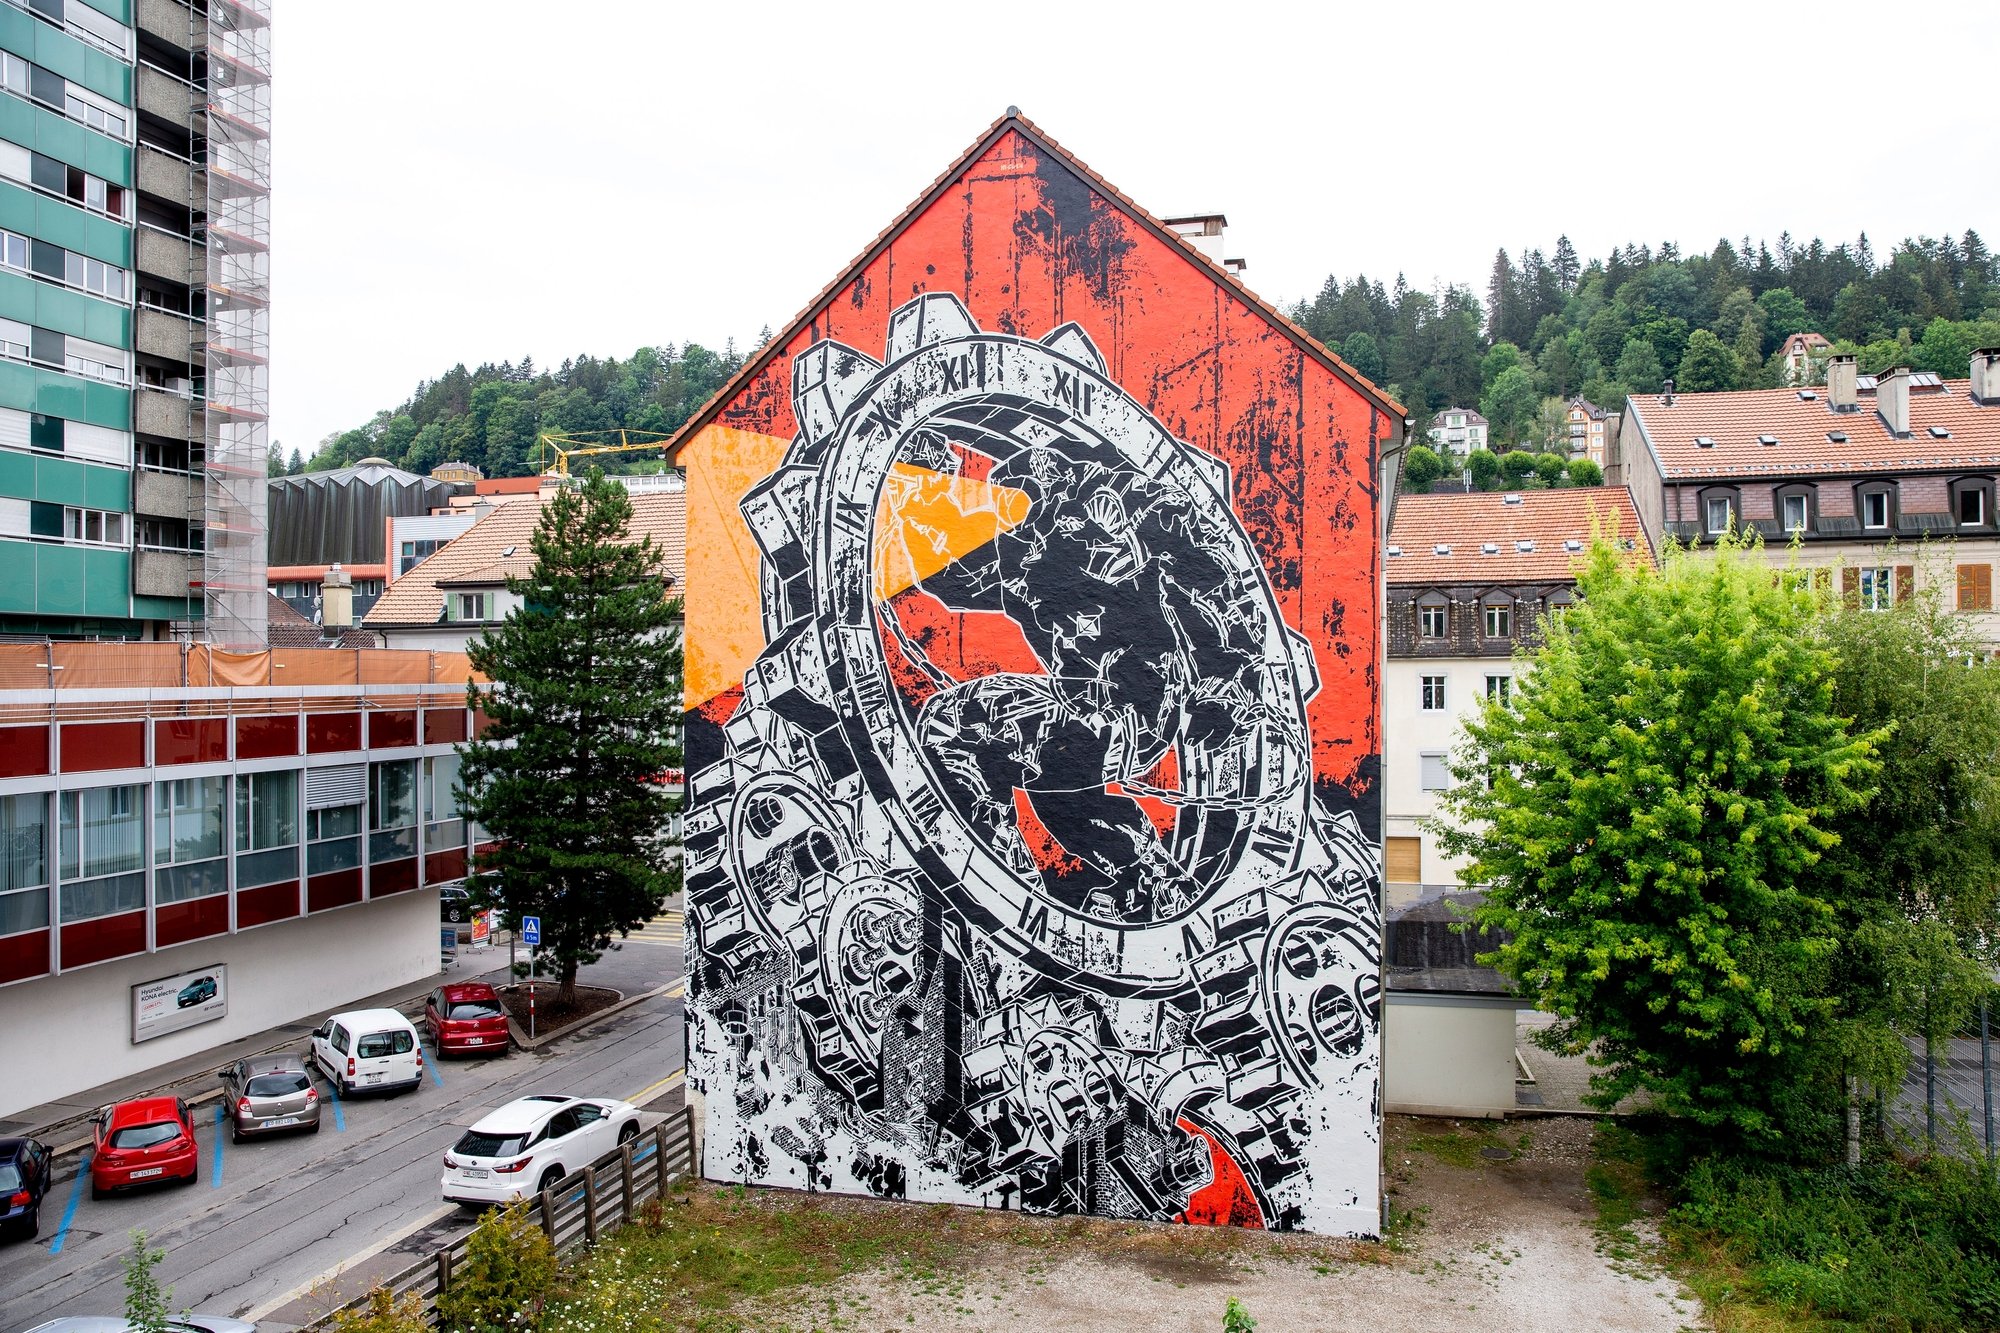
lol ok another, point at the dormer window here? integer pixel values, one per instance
(1433, 616)
(1875, 509)
(1797, 511)
(1718, 512)
(1499, 620)
(1972, 502)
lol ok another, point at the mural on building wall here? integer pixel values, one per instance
(1031, 849)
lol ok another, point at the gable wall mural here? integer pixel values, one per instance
(1032, 840)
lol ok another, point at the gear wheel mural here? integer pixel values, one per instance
(1011, 886)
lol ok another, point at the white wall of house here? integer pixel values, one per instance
(68, 1033)
(1448, 1054)
(1410, 733)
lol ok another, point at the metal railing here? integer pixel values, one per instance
(574, 1213)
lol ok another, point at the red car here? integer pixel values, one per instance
(143, 1142)
(466, 1020)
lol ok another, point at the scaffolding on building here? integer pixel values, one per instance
(238, 290)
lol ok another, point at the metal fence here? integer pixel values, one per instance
(573, 1213)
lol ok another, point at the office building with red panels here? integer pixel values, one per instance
(198, 845)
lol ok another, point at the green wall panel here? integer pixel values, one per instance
(64, 310)
(107, 487)
(107, 583)
(52, 393)
(46, 219)
(17, 474)
(17, 577)
(67, 481)
(71, 57)
(165, 608)
(57, 136)
(59, 579)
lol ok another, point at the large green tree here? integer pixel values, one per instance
(1706, 365)
(1651, 812)
(585, 720)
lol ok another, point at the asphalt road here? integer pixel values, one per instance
(277, 1230)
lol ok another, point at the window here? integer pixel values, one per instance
(440, 780)
(1433, 694)
(1499, 620)
(87, 110)
(99, 527)
(24, 863)
(1877, 588)
(187, 839)
(1875, 509)
(333, 837)
(101, 842)
(1499, 687)
(1975, 587)
(14, 251)
(94, 275)
(393, 795)
(1971, 507)
(1432, 772)
(1431, 621)
(100, 30)
(1719, 512)
(14, 74)
(415, 553)
(474, 605)
(96, 361)
(1794, 512)
(15, 339)
(267, 828)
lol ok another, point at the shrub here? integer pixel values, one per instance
(384, 1314)
(1236, 1319)
(508, 1272)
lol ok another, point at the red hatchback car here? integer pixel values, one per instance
(144, 1142)
(466, 1020)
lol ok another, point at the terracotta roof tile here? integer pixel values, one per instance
(480, 555)
(1466, 523)
(1735, 421)
(287, 628)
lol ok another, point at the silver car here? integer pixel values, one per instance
(270, 1094)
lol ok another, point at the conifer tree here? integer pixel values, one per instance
(585, 718)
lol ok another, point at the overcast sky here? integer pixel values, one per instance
(480, 180)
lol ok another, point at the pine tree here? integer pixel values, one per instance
(1500, 296)
(585, 718)
(1567, 266)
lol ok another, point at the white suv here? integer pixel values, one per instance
(528, 1145)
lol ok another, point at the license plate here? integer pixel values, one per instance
(281, 1122)
(475, 1173)
(148, 1171)
(475, 1041)
(372, 1078)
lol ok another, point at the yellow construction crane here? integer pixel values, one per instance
(589, 443)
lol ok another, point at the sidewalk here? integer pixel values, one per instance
(193, 1077)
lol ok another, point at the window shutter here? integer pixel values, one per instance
(1906, 582)
(1850, 586)
(346, 784)
(1404, 858)
(1982, 589)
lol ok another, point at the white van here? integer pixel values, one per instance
(368, 1049)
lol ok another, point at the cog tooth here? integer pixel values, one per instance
(1074, 343)
(931, 318)
(825, 378)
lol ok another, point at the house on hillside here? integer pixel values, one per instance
(1587, 426)
(1457, 431)
(1890, 479)
(1795, 356)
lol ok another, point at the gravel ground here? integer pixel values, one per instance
(1501, 1246)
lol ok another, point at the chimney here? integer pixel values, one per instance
(1842, 390)
(1986, 376)
(1667, 393)
(1892, 400)
(1203, 231)
(336, 601)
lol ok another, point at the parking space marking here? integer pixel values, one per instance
(339, 1120)
(215, 1175)
(432, 1065)
(75, 1197)
(672, 1080)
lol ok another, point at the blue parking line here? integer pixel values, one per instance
(644, 1153)
(432, 1065)
(339, 1120)
(75, 1197)
(215, 1174)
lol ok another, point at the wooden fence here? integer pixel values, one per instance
(574, 1212)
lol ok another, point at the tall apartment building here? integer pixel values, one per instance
(135, 186)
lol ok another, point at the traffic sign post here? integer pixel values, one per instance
(531, 931)
(531, 935)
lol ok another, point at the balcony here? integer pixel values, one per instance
(156, 412)
(165, 573)
(173, 100)
(173, 179)
(173, 23)
(174, 337)
(175, 495)
(165, 255)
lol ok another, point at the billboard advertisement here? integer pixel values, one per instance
(1032, 717)
(180, 1001)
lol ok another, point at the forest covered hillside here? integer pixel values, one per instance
(1547, 327)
